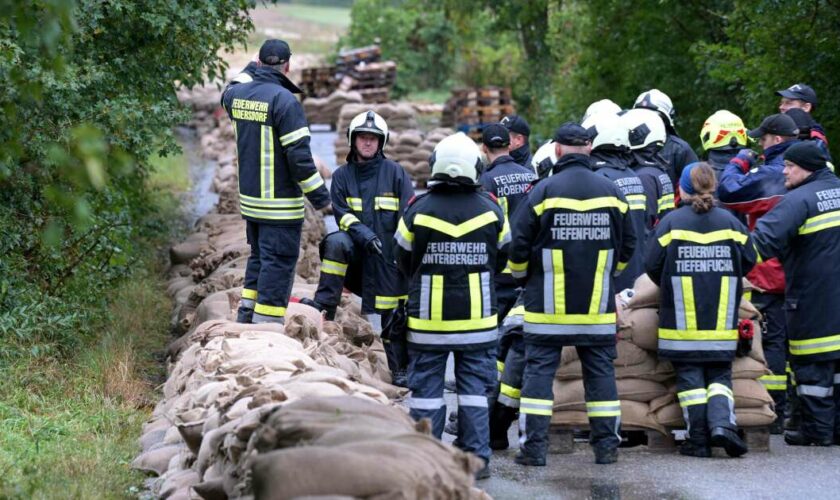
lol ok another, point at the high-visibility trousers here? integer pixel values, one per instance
(704, 391)
(774, 342)
(270, 272)
(818, 389)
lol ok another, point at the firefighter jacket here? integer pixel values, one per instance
(659, 190)
(803, 231)
(522, 155)
(698, 261)
(573, 233)
(677, 154)
(272, 141)
(368, 200)
(753, 194)
(614, 166)
(452, 242)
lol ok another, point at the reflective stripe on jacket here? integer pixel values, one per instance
(698, 261)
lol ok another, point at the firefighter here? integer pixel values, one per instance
(610, 157)
(803, 231)
(452, 242)
(647, 137)
(369, 194)
(698, 256)
(723, 135)
(275, 171)
(544, 159)
(676, 151)
(604, 106)
(569, 238)
(520, 132)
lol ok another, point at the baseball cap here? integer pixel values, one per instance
(495, 135)
(572, 134)
(808, 155)
(778, 124)
(799, 91)
(517, 124)
(275, 52)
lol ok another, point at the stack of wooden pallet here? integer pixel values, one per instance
(349, 59)
(356, 69)
(468, 110)
(319, 81)
(373, 80)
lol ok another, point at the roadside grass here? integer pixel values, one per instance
(69, 425)
(429, 96)
(334, 16)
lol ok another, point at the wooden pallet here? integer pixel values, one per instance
(376, 95)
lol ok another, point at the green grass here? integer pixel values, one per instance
(429, 96)
(333, 16)
(169, 173)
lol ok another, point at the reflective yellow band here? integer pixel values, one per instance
(692, 397)
(815, 346)
(348, 220)
(456, 230)
(504, 236)
(311, 183)
(503, 202)
(598, 284)
(719, 390)
(570, 319)
(386, 203)
(603, 408)
(500, 366)
(669, 334)
(580, 205)
(665, 203)
(291, 137)
(436, 302)
(276, 311)
(509, 391)
(475, 295)
(531, 406)
(518, 266)
(452, 325)
(559, 281)
(759, 259)
(403, 236)
(724, 314)
(388, 302)
(774, 382)
(621, 266)
(333, 267)
(294, 202)
(355, 204)
(517, 311)
(637, 201)
(271, 214)
(820, 222)
(688, 301)
(702, 238)
(247, 293)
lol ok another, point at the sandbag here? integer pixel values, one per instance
(640, 327)
(670, 416)
(757, 351)
(645, 293)
(630, 354)
(183, 253)
(664, 400)
(755, 417)
(633, 415)
(569, 395)
(746, 310)
(156, 460)
(750, 394)
(748, 368)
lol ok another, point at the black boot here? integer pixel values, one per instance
(329, 311)
(692, 449)
(729, 441)
(797, 438)
(484, 472)
(529, 461)
(605, 456)
(452, 425)
(778, 426)
(501, 417)
(244, 315)
(399, 378)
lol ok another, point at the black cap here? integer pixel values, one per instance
(275, 52)
(517, 124)
(778, 124)
(804, 120)
(495, 135)
(572, 134)
(808, 155)
(799, 91)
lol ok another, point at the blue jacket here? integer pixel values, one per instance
(803, 231)
(272, 141)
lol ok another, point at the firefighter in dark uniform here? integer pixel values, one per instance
(647, 136)
(275, 171)
(676, 152)
(569, 238)
(699, 256)
(520, 133)
(369, 194)
(508, 181)
(543, 160)
(452, 242)
(610, 157)
(803, 231)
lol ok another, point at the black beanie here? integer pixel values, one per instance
(808, 155)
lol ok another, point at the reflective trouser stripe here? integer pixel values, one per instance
(333, 267)
(603, 409)
(815, 391)
(790, 373)
(388, 302)
(692, 397)
(248, 293)
(536, 406)
(508, 401)
(500, 366)
(267, 157)
(276, 311)
(601, 285)
(437, 298)
(266, 318)
(726, 306)
(474, 401)
(247, 303)
(425, 403)
(510, 391)
(686, 314)
(815, 346)
(554, 282)
(774, 382)
(720, 390)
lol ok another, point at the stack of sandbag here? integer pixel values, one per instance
(638, 322)
(416, 161)
(399, 117)
(326, 109)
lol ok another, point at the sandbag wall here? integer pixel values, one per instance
(646, 385)
(280, 411)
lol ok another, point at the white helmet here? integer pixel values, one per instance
(456, 156)
(607, 129)
(371, 123)
(644, 127)
(544, 159)
(599, 107)
(658, 101)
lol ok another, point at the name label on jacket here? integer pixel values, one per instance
(510, 184)
(630, 185)
(254, 111)
(829, 199)
(591, 226)
(702, 259)
(456, 253)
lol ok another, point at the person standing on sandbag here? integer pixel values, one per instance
(452, 241)
(369, 194)
(570, 237)
(275, 171)
(698, 256)
(803, 230)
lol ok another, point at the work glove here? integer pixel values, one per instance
(745, 159)
(374, 246)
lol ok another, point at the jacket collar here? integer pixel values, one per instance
(777, 150)
(603, 159)
(521, 154)
(499, 161)
(266, 74)
(571, 160)
(818, 175)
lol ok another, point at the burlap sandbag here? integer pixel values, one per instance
(755, 417)
(746, 310)
(631, 362)
(569, 395)
(630, 354)
(670, 416)
(664, 400)
(640, 326)
(748, 368)
(645, 293)
(750, 393)
(633, 415)
(757, 351)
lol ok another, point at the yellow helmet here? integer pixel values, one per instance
(723, 129)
